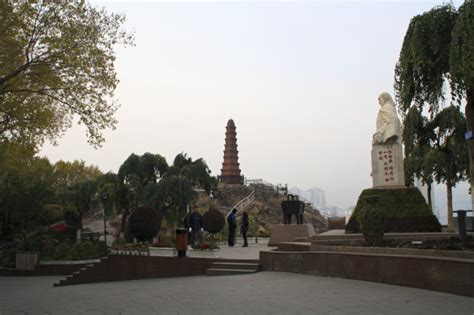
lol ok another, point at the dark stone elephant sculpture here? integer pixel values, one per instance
(292, 206)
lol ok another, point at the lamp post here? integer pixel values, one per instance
(104, 197)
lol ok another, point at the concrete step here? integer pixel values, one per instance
(228, 272)
(75, 277)
(235, 265)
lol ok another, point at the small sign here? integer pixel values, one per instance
(468, 135)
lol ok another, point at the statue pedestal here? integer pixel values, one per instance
(387, 166)
(287, 232)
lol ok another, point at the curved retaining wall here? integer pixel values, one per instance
(451, 275)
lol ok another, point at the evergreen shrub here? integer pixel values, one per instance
(213, 221)
(143, 223)
(63, 252)
(372, 224)
(404, 210)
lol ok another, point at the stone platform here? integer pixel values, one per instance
(289, 232)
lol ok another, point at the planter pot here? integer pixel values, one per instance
(211, 253)
(163, 251)
(26, 260)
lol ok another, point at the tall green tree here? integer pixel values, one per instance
(109, 184)
(437, 52)
(68, 173)
(57, 62)
(81, 195)
(171, 196)
(461, 60)
(197, 171)
(448, 157)
(25, 187)
(417, 137)
(137, 172)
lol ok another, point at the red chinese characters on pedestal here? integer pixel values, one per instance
(386, 157)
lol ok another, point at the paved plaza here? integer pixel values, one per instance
(261, 293)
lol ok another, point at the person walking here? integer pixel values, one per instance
(245, 227)
(232, 222)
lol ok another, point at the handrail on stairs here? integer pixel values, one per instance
(244, 202)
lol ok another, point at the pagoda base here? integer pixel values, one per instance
(233, 180)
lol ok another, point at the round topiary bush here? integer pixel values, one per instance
(143, 223)
(213, 221)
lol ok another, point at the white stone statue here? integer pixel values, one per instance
(387, 154)
(388, 123)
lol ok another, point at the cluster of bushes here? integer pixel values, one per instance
(79, 251)
(54, 246)
(122, 244)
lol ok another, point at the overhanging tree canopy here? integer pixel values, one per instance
(57, 62)
(437, 53)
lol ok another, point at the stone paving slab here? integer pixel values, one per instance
(261, 293)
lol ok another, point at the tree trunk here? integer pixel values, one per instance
(430, 202)
(449, 189)
(469, 110)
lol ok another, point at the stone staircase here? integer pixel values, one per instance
(220, 268)
(83, 275)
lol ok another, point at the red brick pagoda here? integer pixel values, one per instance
(230, 172)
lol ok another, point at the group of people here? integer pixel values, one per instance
(244, 227)
(193, 223)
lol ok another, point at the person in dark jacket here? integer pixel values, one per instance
(195, 228)
(232, 222)
(245, 227)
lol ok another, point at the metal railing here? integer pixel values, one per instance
(242, 204)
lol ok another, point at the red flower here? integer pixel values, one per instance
(59, 227)
(204, 246)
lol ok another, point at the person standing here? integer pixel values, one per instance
(245, 227)
(232, 222)
(195, 228)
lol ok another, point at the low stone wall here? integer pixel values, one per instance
(43, 270)
(124, 267)
(357, 238)
(390, 251)
(129, 267)
(451, 275)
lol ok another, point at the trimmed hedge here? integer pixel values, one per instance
(213, 221)
(143, 223)
(372, 222)
(404, 210)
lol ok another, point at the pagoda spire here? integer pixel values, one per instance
(230, 172)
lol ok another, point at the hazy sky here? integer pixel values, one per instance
(299, 78)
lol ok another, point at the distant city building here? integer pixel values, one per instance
(230, 172)
(317, 197)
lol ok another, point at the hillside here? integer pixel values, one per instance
(265, 210)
